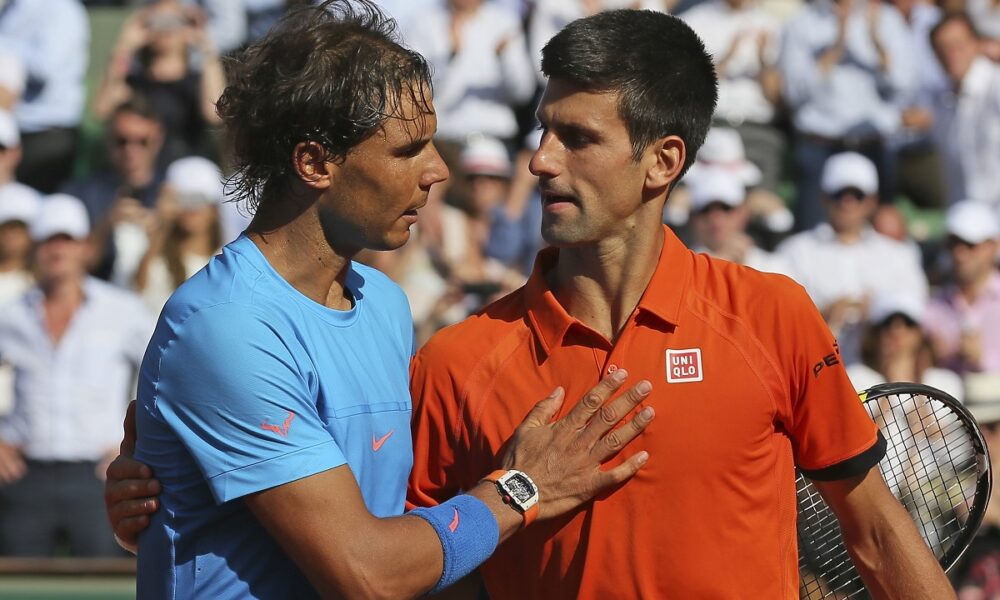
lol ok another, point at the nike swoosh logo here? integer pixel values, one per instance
(454, 521)
(377, 443)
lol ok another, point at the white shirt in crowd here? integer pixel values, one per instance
(475, 88)
(968, 130)
(52, 39)
(70, 398)
(830, 269)
(741, 97)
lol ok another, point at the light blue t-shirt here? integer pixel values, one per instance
(247, 385)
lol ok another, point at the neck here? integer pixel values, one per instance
(849, 236)
(973, 289)
(289, 235)
(139, 177)
(900, 368)
(66, 290)
(12, 263)
(601, 284)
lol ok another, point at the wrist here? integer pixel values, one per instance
(516, 490)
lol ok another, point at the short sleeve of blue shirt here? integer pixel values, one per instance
(239, 398)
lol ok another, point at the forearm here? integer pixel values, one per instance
(895, 563)
(346, 552)
(884, 544)
(213, 83)
(112, 89)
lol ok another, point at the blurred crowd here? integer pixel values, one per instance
(837, 122)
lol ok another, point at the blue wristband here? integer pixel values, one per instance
(468, 532)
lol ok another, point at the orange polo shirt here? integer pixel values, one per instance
(746, 381)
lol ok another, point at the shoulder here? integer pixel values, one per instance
(763, 303)
(463, 346)
(382, 292)
(370, 278)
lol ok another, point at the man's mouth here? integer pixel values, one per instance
(555, 199)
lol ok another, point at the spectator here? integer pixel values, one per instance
(188, 233)
(844, 263)
(74, 343)
(481, 68)
(846, 64)
(895, 348)
(18, 205)
(152, 57)
(918, 170)
(744, 42)
(52, 41)
(964, 317)
(724, 151)
(120, 200)
(506, 194)
(720, 221)
(968, 115)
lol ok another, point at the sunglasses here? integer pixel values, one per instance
(954, 241)
(122, 141)
(849, 193)
(898, 317)
(716, 205)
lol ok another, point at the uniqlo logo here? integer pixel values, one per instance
(684, 366)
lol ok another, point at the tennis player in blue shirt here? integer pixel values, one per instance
(273, 402)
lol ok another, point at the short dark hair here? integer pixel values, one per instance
(950, 17)
(664, 77)
(332, 74)
(139, 105)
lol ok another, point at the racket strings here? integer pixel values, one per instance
(931, 465)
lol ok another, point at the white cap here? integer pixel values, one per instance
(849, 170)
(196, 181)
(18, 202)
(13, 75)
(10, 136)
(60, 214)
(972, 221)
(723, 149)
(886, 304)
(484, 155)
(716, 185)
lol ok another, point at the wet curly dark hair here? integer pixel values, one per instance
(332, 73)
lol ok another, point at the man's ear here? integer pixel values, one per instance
(668, 155)
(313, 165)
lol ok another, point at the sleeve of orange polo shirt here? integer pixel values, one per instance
(833, 435)
(436, 409)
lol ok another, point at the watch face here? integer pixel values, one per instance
(520, 488)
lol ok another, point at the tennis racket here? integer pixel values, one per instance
(936, 464)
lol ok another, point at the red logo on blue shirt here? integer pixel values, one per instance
(283, 430)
